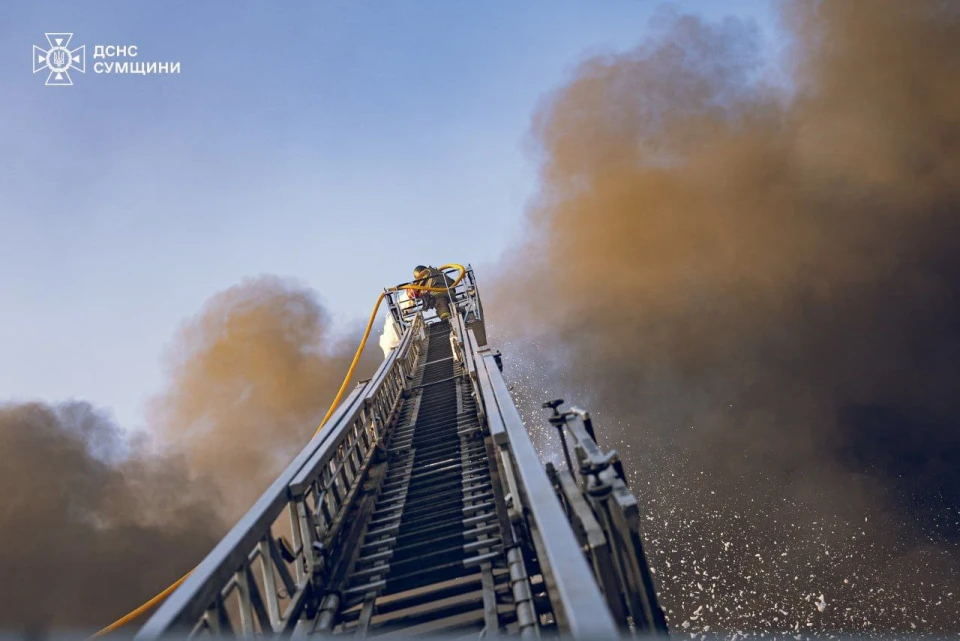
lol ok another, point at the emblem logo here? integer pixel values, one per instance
(59, 59)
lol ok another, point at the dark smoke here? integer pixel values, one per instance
(88, 530)
(94, 521)
(756, 288)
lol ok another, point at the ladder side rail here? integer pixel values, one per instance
(216, 574)
(401, 361)
(474, 292)
(393, 305)
(468, 296)
(482, 390)
(576, 593)
(467, 352)
(365, 428)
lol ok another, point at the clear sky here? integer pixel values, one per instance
(338, 143)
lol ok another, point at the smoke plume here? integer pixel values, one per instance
(250, 379)
(95, 520)
(91, 524)
(755, 285)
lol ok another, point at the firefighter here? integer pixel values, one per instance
(432, 277)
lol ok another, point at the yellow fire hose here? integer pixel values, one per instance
(134, 614)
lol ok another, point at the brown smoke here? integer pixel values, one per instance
(756, 287)
(250, 379)
(93, 522)
(90, 524)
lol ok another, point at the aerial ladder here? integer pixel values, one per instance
(422, 508)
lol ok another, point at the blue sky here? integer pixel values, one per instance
(338, 143)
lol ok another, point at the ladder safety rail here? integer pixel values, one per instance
(579, 605)
(328, 468)
(603, 512)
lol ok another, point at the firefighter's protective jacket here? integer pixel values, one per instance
(435, 278)
(435, 300)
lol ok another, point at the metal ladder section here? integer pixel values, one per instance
(423, 507)
(431, 558)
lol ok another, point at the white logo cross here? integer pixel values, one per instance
(59, 59)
